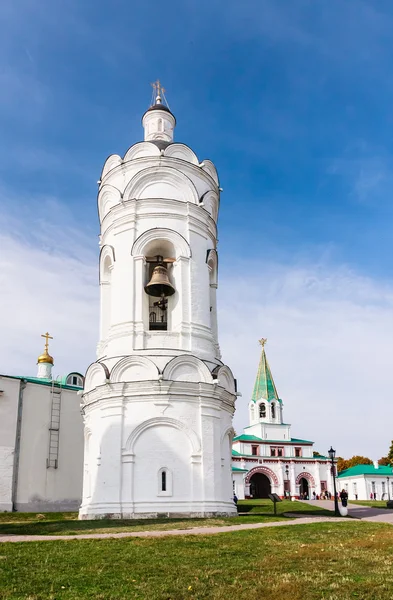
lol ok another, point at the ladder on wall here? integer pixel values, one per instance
(54, 429)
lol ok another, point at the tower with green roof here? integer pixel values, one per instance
(266, 407)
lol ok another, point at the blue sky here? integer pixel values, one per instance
(293, 101)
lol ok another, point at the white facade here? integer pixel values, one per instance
(266, 459)
(367, 482)
(158, 402)
(41, 445)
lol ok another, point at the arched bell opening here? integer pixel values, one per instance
(159, 287)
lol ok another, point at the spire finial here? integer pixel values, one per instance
(159, 91)
(262, 341)
(45, 357)
(47, 337)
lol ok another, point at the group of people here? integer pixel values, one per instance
(325, 495)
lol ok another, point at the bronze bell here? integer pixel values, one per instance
(159, 284)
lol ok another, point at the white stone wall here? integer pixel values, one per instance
(314, 471)
(158, 400)
(40, 488)
(8, 422)
(362, 485)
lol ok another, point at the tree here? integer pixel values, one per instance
(342, 464)
(384, 461)
(390, 453)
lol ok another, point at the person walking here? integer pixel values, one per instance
(344, 497)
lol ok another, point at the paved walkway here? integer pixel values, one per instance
(357, 511)
(364, 513)
(167, 532)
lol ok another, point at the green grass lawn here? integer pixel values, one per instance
(372, 503)
(330, 561)
(257, 511)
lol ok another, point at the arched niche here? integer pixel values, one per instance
(97, 374)
(225, 378)
(141, 150)
(134, 368)
(151, 239)
(212, 263)
(157, 422)
(209, 167)
(165, 182)
(108, 197)
(113, 161)
(210, 203)
(187, 368)
(107, 260)
(182, 152)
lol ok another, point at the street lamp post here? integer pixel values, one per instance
(287, 479)
(332, 454)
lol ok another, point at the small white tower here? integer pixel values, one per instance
(158, 402)
(45, 360)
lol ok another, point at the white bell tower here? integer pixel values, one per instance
(158, 402)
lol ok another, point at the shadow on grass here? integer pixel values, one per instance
(265, 507)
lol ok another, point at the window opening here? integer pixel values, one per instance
(273, 410)
(254, 450)
(262, 410)
(298, 452)
(272, 452)
(163, 481)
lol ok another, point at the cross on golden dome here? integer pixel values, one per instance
(46, 357)
(262, 341)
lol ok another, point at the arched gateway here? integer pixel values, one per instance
(260, 481)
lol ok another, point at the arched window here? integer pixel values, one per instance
(262, 410)
(164, 482)
(273, 409)
(74, 379)
(152, 317)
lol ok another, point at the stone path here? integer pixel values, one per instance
(167, 532)
(364, 513)
(357, 511)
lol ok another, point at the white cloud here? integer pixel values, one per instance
(330, 337)
(330, 330)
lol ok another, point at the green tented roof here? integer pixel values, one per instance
(264, 384)
(235, 453)
(238, 469)
(366, 470)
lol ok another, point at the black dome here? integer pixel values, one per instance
(160, 107)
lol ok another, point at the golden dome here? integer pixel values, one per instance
(45, 358)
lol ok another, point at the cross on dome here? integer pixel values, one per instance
(159, 91)
(46, 357)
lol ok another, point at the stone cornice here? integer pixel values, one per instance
(158, 161)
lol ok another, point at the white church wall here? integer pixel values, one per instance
(8, 423)
(41, 488)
